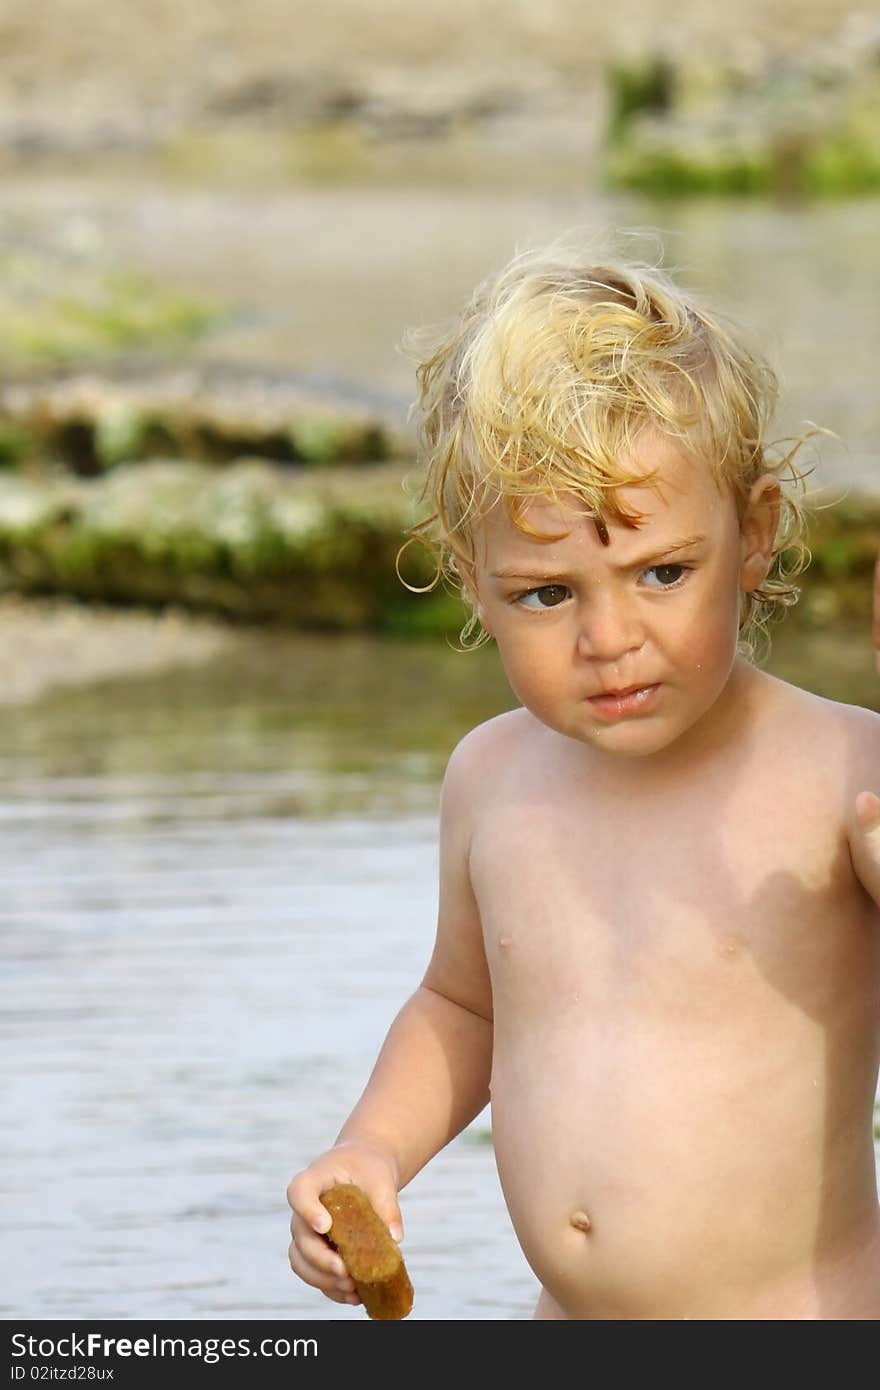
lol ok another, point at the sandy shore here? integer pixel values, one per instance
(81, 74)
(52, 642)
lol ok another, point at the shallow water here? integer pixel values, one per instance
(219, 886)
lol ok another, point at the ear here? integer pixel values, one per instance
(758, 528)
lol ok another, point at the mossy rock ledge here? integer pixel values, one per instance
(252, 542)
(92, 421)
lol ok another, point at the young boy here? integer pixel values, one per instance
(658, 945)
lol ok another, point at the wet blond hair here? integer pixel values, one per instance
(543, 386)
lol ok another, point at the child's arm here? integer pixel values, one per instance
(431, 1077)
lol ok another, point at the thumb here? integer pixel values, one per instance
(868, 811)
(395, 1226)
(389, 1210)
(319, 1218)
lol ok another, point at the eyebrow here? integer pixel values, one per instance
(641, 563)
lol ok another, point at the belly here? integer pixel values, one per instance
(690, 1059)
(706, 1169)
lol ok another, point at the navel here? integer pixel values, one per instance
(580, 1221)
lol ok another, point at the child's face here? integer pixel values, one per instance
(625, 646)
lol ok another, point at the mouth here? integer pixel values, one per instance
(617, 694)
(631, 699)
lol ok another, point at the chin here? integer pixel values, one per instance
(627, 740)
(632, 743)
(641, 738)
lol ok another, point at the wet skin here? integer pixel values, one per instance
(657, 947)
(683, 966)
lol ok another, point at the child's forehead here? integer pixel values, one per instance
(676, 493)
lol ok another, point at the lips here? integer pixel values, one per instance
(616, 694)
(630, 699)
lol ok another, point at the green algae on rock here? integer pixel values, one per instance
(799, 125)
(253, 542)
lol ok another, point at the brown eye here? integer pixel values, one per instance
(547, 596)
(665, 575)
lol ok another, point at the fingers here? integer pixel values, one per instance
(868, 811)
(311, 1256)
(317, 1264)
(305, 1201)
(316, 1216)
(301, 1197)
(864, 842)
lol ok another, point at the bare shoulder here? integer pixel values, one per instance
(481, 766)
(788, 701)
(489, 745)
(859, 741)
(840, 740)
(853, 722)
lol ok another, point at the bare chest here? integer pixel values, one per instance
(661, 904)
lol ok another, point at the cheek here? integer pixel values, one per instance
(533, 668)
(713, 659)
(524, 666)
(707, 640)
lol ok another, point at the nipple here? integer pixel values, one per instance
(504, 941)
(580, 1221)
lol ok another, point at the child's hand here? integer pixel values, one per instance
(311, 1256)
(864, 842)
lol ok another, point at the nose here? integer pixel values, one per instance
(610, 628)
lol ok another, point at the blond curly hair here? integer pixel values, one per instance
(545, 381)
